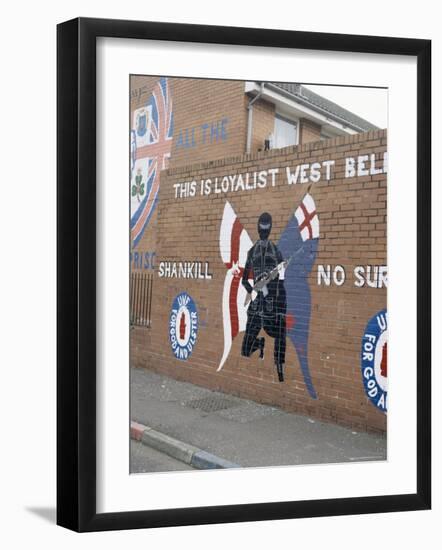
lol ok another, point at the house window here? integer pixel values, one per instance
(285, 133)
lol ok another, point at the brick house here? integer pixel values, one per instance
(221, 118)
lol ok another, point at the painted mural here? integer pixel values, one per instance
(268, 271)
(266, 285)
(151, 144)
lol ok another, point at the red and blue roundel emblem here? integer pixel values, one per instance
(374, 360)
(183, 326)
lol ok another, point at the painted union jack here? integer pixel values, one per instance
(298, 241)
(234, 243)
(151, 144)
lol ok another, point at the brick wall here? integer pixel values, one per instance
(209, 116)
(209, 121)
(350, 203)
(263, 123)
(309, 131)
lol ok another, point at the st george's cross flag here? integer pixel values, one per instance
(298, 241)
(308, 221)
(151, 144)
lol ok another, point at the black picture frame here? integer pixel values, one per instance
(76, 273)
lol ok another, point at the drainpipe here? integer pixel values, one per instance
(250, 117)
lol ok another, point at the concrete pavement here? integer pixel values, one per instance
(241, 431)
(180, 450)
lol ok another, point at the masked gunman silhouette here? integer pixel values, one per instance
(267, 297)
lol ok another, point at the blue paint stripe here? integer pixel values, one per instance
(171, 126)
(163, 84)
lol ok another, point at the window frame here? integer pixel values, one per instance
(294, 121)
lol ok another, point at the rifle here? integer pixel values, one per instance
(261, 284)
(265, 278)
